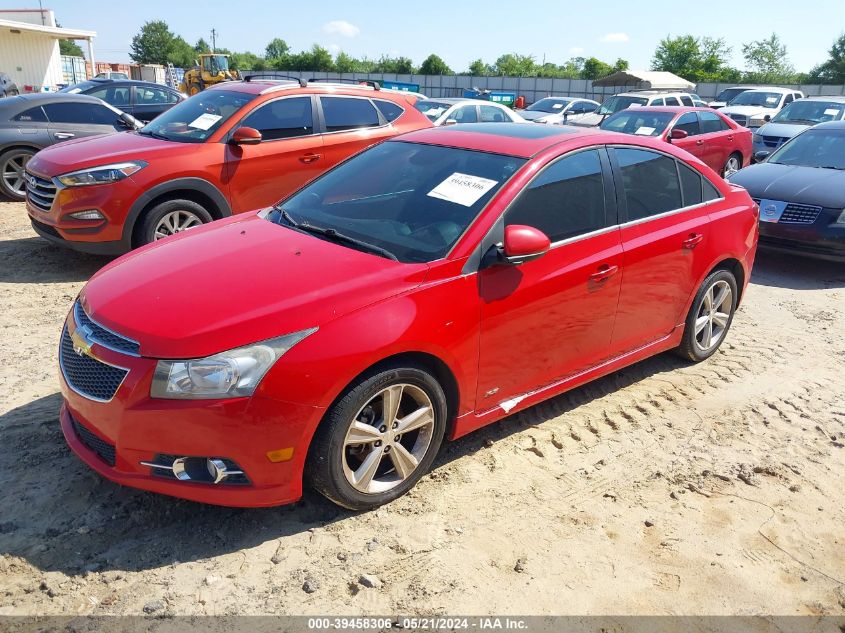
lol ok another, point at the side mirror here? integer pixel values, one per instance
(761, 156)
(767, 118)
(129, 121)
(245, 136)
(677, 134)
(449, 122)
(522, 244)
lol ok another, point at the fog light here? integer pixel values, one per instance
(91, 214)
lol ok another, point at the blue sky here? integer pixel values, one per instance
(462, 31)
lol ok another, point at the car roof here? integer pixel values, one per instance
(33, 98)
(261, 86)
(121, 82)
(773, 89)
(829, 125)
(831, 98)
(672, 109)
(650, 93)
(513, 139)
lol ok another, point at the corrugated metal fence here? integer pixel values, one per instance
(532, 88)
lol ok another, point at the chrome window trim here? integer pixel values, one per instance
(668, 213)
(78, 306)
(99, 360)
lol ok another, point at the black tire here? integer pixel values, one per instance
(152, 218)
(324, 468)
(690, 348)
(15, 154)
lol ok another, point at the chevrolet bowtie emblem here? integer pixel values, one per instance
(81, 341)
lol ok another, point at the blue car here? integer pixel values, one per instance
(795, 118)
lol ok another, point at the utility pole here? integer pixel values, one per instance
(213, 40)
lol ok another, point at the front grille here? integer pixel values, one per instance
(103, 336)
(94, 442)
(799, 214)
(40, 192)
(740, 118)
(88, 376)
(774, 141)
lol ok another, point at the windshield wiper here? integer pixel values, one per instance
(833, 167)
(159, 135)
(334, 235)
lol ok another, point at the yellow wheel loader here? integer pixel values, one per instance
(211, 69)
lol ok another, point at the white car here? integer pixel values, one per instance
(727, 95)
(559, 110)
(636, 98)
(754, 108)
(451, 111)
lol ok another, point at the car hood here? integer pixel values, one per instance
(235, 282)
(589, 120)
(782, 130)
(534, 115)
(788, 183)
(717, 104)
(101, 150)
(748, 111)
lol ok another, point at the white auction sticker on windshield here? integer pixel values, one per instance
(832, 112)
(557, 106)
(645, 131)
(205, 121)
(772, 99)
(462, 189)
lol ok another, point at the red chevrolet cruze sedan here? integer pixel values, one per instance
(235, 147)
(424, 288)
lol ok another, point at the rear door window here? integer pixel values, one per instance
(283, 118)
(465, 114)
(650, 182)
(672, 101)
(80, 113)
(348, 113)
(711, 122)
(490, 114)
(687, 101)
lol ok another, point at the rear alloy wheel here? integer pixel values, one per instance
(733, 165)
(171, 218)
(710, 316)
(379, 439)
(13, 172)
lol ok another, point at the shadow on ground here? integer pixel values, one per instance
(35, 260)
(61, 516)
(794, 272)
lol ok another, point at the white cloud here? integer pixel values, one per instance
(576, 50)
(614, 38)
(341, 27)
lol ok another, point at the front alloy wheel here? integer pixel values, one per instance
(376, 442)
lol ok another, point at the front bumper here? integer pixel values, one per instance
(812, 240)
(115, 436)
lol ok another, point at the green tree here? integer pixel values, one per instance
(833, 70)
(276, 49)
(434, 65)
(345, 63)
(247, 61)
(695, 59)
(397, 65)
(595, 69)
(478, 68)
(153, 43)
(69, 47)
(516, 65)
(202, 46)
(620, 64)
(181, 53)
(768, 61)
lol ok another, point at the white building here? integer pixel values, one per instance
(29, 48)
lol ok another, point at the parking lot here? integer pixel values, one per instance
(663, 488)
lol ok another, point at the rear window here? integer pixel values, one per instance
(80, 113)
(348, 113)
(389, 110)
(33, 115)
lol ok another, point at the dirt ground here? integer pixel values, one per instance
(665, 488)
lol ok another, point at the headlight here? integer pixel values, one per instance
(101, 175)
(841, 218)
(226, 375)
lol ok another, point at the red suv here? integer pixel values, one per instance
(236, 147)
(426, 287)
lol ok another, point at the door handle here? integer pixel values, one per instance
(693, 240)
(605, 271)
(64, 135)
(310, 158)
(699, 142)
(730, 137)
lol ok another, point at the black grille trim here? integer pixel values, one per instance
(104, 336)
(40, 191)
(101, 447)
(87, 376)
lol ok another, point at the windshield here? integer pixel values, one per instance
(638, 121)
(82, 85)
(197, 118)
(729, 93)
(215, 63)
(813, 148)
(754, 98)
(432, 109)
(415, 211)
(617, 103)
(810, 112)
(548, 105)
